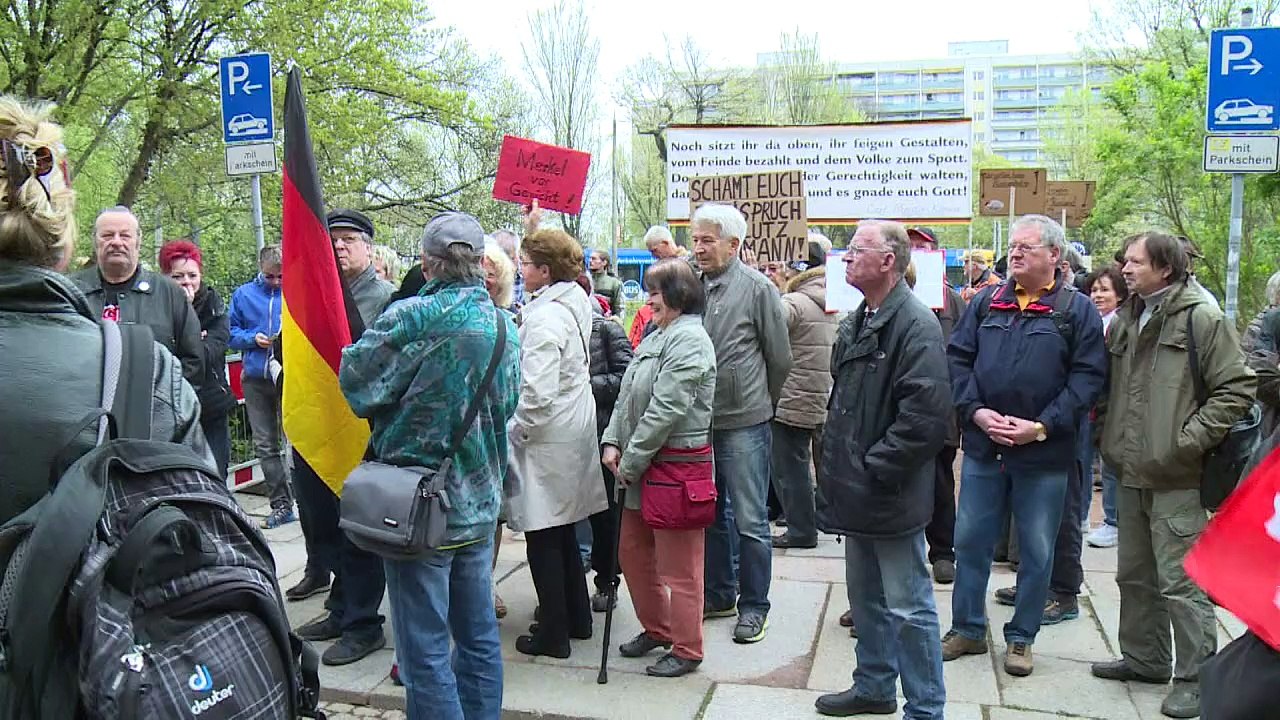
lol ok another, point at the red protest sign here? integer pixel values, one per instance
(1237, 559)
(554, 175)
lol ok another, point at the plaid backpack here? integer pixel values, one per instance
(137, 588)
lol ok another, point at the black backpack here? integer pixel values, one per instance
(137, 588)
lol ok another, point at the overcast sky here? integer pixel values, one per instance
(734, 31)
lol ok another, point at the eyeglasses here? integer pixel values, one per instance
(1023, 248)
(855, 250)
(20, 164)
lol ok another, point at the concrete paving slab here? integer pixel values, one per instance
(573, 692)
(1104, 599)
(997, 713)
(354, 683)
(1066, 687)
(1098, 559)
(1080, 639)
(749, 702)
(290, 557)
(808, 569)
(1147, 698)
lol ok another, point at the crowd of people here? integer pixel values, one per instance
(734, 382)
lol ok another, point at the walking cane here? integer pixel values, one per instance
(603, 677)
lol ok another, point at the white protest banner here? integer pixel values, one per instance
(916, 171)
(772, 203)
(931, 274)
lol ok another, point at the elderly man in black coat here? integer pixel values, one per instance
(887, 420)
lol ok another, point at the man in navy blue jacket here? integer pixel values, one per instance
(1027, 362)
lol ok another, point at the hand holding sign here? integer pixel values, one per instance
(531, 171)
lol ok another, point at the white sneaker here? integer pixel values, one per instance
(1104, 536)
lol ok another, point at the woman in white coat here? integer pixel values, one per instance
(555, 461)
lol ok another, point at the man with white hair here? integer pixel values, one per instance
(745, 320)
(121, 290)
(661, 245)
(510, 245)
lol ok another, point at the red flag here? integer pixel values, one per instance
(1237, 559)
(316, 315)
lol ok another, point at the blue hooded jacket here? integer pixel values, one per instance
(1016, 362)
(255, 308)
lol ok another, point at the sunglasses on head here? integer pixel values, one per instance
(20, 164)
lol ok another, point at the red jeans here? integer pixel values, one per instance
(655, 562)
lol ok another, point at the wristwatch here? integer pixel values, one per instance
(1041, 435)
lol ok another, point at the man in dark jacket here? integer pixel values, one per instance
(1027, 361)
(941, 530)
(119, 289)
(610, 355)
(886, 421)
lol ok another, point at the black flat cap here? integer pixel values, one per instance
(351, 220)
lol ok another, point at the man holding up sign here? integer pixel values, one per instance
(745, 320)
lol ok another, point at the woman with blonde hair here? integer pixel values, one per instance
(555, 478)
(51, 346)
(386, 264)
(499, 275)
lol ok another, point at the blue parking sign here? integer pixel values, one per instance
(1244, 80)
(245, 81)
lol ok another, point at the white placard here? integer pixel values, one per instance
(918, 171)
(1241, 153)
(251, 158)
(931, 269)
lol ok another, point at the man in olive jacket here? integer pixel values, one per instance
(887, 420)
(1155, 433)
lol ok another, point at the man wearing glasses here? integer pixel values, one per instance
(1027, 361)
(121, 290)
(359, 583)
(255, 325)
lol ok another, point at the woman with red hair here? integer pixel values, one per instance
(181, 260)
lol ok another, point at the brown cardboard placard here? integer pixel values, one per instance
(1029, 197)
(774, 205)
(1074, 196)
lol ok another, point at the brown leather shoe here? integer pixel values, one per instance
(955, 645)
(499, 607)
(846, 619)
(1017, 659)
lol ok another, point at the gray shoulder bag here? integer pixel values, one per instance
(401, 513)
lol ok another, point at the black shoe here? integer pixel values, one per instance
(1007, 596)
(641, 645)
(1120, 670)
(846, 618)
(350, 648)
(672, 666)
(1181, 702)
(579, 634)
(320, 630)
(308, 586)
(600, 602)
(850, 702)
(538, 645)
(785, 541)
(944, 571)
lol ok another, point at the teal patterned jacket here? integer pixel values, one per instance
(412, 374)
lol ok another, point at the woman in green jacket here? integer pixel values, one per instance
(665, 402)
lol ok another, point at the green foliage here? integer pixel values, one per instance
(405, 120)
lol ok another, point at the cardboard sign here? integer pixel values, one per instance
(555, 176)
(1073, 196)
(931, 280)
(773, 204)
(1029, 196)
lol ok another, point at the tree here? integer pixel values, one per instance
(562, 53)
(796, 86)
(1147, 151)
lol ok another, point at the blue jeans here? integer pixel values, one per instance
(987, 491)
(742, 459)
(891, 598)
(445, 597)
(1109, 484)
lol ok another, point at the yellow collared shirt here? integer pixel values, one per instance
(1026, 297)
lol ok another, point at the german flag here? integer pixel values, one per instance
(314, 321)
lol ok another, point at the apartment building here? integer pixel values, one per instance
(1009, 97)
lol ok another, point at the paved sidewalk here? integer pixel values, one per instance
(805, 654)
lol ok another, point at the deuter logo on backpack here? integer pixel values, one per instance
(202, 681)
